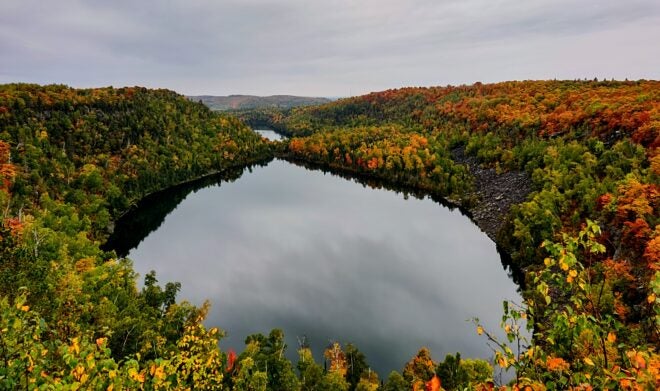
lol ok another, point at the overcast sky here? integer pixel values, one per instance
(324, 48)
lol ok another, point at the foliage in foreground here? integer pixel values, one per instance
(578, 341)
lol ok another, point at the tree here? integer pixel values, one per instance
(333, 381)
(356, 366)
(310, 373)
(396, 382)
(453, 375)
(268, 355)
(420, 369)
(458, 374)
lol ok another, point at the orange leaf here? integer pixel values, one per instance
(611, 337)
(433, 384)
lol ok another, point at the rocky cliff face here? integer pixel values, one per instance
(494, 193)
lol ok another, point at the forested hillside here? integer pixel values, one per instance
(71, 162)
(247, 102)
(588, 232)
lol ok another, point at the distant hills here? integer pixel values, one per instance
(241, 102)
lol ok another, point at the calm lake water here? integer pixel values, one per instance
(324, 257)
(269, 134)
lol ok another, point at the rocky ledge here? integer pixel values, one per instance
(494, 193)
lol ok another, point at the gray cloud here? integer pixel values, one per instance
(323, 48)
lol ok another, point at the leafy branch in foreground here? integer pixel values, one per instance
(578, 342)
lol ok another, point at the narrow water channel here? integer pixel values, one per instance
(326, 258)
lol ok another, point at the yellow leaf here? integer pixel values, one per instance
(25, 308)
(588, 361)
(75, 348)
(160, 373)
(651, 298)
(78, 372)
(480, 330)
(502, 362)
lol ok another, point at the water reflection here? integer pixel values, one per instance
(516, 274)
(269, 134)
(318, 256)
(148, 215)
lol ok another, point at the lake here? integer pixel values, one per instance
(320, 256)
(269, 134)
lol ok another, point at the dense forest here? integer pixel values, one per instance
(587, 234)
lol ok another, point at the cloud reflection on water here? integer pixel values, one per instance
(316, 255)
